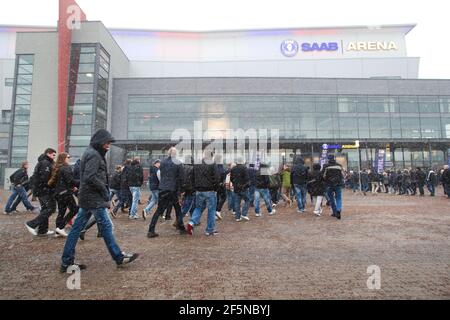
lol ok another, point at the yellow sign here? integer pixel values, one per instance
(351, 146)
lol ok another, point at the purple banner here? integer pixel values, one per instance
(381, 157)
(323, 156)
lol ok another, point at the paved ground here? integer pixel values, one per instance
(285, 256)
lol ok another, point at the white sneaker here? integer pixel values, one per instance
(272, 212)
(317, 213)
(218, 215)
(245, 218)
(61, 232)
(274, 205)
(239, 220)
(49, 233)
(31, 230)
(257, 214)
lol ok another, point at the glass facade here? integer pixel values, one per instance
(21, 108)
(318, 117)
(88, 95)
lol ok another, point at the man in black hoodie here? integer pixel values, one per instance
(135, 178)
(299, 179)
(241, 182)
(45, 194)
(334, 181)
(94, 199)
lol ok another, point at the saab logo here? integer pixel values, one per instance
(324, 46)
(289, 48)
(372, 46)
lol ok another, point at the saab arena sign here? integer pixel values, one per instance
(372, 46)
(319, 46)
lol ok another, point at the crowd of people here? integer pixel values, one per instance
(88, 192)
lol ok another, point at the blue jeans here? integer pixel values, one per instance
(18, 191)
(243, 195)
(136, 192)
(113, 192)
(300, 190)
(251, 192)
(208, 198)
(431, 188)
(231, 198)
(364, 187)
(105, 226)
(335, 195)
(264, 193)
(153, 201)
(188, 203)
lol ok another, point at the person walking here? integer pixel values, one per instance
(374, 181)
(445, 178)
(221, 190)
(274, 186)
(169, 194)
(316, 188)
(241, 183)
(115, 185)
(44, 193)
(153, 184)
(334, 181)
(94, 200)
(252, 187)
(421, 178)
(431, 182)
(286, 184)
(365, 181)
(64, 184)
(262, 190)
(230, 190)
(135, 179)
(299, 179)
(206, 179)
(18, 180)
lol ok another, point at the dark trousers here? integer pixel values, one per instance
(167, 198)
(421, 188)
(221, 198)
(48, 206)
(66, 201)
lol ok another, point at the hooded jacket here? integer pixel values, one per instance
(239, 178)
(316, 185)
(41, 175)
(135, 175)
(94, 185)
(299, 173)
(332, 174)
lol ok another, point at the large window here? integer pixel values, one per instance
(21, 108)
(88, 95)
(320, 117)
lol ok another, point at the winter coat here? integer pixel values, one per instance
(76, 173)
(315, 185)
(299, 173)
(135, 175)
(421, 177)
(94, 186)
(445, 178)
(262, 181)
(332, 174)
(171, 175)
(206, 177)
(19, 177)
(41, 175)
(115, 181)
(153, 181)
(64, 181)
(239, 178)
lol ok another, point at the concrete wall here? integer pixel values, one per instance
(405, 68)
(43, 131)
(219, 86)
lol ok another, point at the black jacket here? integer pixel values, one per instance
(19, 177)
(153, 181)
(299, 173)
(239, 177)
(115, 181)
(94, 187)
(187, 184)
(446, 177)
(262, 181)
(316, 186)
(76, 173)
(123, 178)
(252, 176)
(64, 181)
(364, 178)
(171, 175)
(421, 177)
(206, 177)
(41, 175)
(135, 175)
(332, 174)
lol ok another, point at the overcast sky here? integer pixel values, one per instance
(430, 40)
